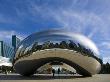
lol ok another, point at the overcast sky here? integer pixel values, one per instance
(88, 17)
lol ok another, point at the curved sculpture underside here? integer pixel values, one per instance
(54, 45)
(84, 65)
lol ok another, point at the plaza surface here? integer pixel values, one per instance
(57, 78)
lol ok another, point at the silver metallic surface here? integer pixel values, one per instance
(84, 64)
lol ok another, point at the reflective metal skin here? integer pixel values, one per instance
(57, 45)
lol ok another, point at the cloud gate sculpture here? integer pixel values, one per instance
(57, 45)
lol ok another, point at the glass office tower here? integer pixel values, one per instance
(15, 41)
(6, 50)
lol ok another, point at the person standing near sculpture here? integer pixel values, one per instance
(58, 71)
(53, 71)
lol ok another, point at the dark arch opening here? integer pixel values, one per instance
(28, 67)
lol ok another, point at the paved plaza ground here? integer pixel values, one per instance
(49, 78)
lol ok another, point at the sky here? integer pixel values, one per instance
(87, 17)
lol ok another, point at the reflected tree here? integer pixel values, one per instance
(64, 45)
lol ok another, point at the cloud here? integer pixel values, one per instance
(106, 59)
(95, 26)
(78, 19)
(7, 35)
(6, 20)
(92, 33)
(89, 24)
(104, 49)
(106, 45)
(5, 61)
(90, 18)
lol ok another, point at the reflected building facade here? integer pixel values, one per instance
(57, 45)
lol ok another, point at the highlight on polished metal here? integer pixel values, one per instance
(49, 46)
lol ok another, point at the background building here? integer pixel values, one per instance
(7, 50)
(1, 48)
(15, 41)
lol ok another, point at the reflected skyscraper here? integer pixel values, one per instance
(7, 50)
(15, 41)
